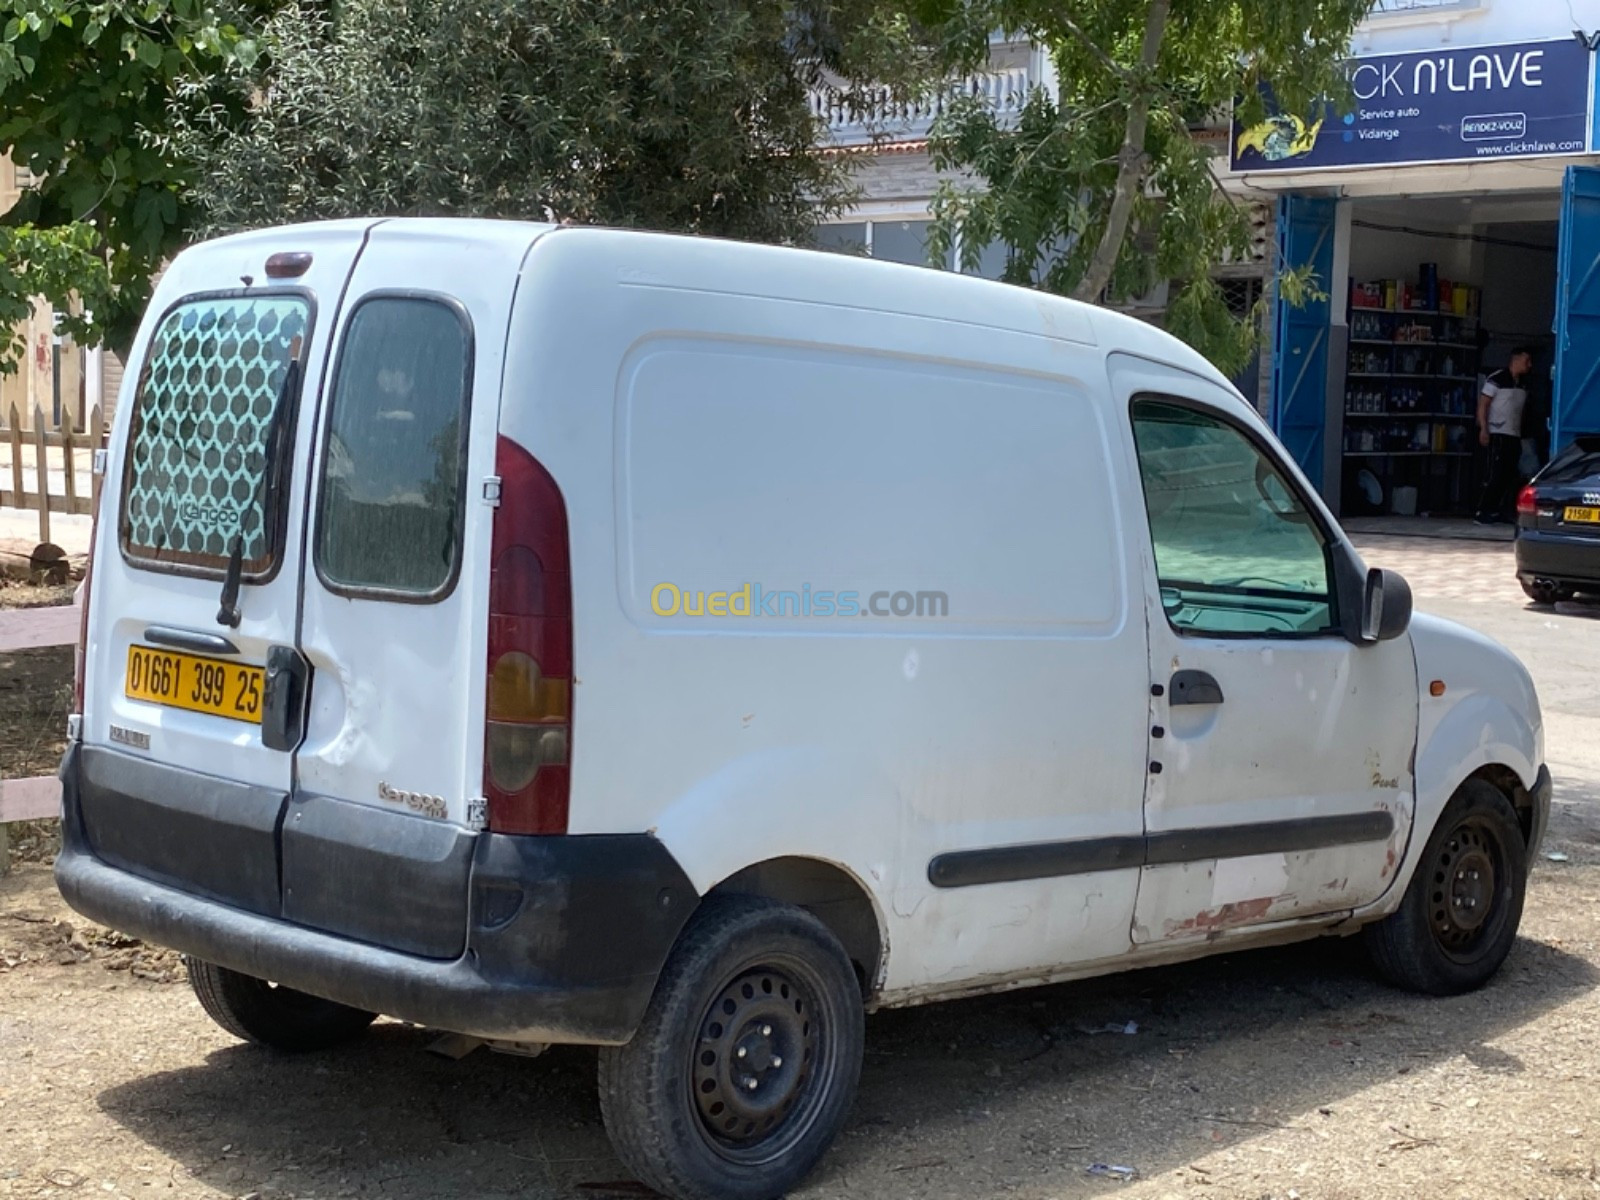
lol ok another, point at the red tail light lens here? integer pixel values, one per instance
(528, 732)
(1527, 501)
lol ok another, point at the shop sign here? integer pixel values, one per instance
(1523, 100)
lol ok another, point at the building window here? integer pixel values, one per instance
(21, 177)
(891, 241)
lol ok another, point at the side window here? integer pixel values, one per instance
(389, 517)
(215, 375)
(1237, 552)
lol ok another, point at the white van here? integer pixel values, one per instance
(683, 647)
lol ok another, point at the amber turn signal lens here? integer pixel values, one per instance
(518, 692)
(1436, 688)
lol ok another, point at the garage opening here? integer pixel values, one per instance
(1442, 291)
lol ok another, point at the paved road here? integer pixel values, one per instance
(1475, 583)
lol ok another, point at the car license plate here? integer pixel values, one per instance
(1582, 516)
(188, 681)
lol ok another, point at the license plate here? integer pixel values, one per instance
(189, 681)
(1582, 516)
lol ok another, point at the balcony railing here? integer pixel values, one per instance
(1388, 8)
(879, 116)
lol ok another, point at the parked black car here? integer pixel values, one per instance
(1558, 525)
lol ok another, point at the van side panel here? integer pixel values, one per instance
(764, 492)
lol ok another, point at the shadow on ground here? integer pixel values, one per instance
(1224, 1049)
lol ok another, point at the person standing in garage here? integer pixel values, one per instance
(1500, 429)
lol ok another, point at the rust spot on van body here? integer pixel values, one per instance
(1215, 920)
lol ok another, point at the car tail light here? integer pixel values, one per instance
(1527, 501)
(80, 656)
(528, 732)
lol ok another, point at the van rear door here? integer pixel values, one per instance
(379, 836)
(197, 572)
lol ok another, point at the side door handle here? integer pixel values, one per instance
(285, 699)
(1194, 687)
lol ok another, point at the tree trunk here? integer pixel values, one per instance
(1130, 162)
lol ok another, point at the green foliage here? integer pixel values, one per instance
(86, 89)
(1106, 192)
(58, 262)
(673, 114)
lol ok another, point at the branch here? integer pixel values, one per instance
(1130, 159)
(1094, 48)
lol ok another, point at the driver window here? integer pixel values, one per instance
(1236, 551)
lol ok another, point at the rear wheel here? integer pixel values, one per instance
(280, 1017)
(1460, 914)
(746, 1063)
(1546, 592)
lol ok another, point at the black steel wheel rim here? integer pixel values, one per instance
(763, 1062)
(1469, 890)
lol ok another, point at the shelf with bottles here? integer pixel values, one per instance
(1380, 395)
(1408, 435)
(1414, 359)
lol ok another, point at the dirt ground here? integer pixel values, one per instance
(1276, 1074)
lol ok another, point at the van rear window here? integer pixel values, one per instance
(202, 412)
(393, 472)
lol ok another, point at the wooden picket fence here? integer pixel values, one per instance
(76, 447)
(38, 797)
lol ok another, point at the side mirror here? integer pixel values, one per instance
(1386, 606)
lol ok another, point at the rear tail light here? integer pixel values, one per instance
(1527, 502)
(528, 732)
(80, 656)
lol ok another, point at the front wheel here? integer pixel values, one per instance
(747, 1061)
(280, 1017)
(1460, 914)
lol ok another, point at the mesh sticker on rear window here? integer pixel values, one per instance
(201, 421)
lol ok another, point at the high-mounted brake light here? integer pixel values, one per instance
(528, 731)
(1527, 501)
(288, 264)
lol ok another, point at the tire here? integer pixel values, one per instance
(754, 991)
(1436, 941)
(257, 1011)
(1546, 593)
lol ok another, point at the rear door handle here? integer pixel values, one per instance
(1194, 687)
(188, 639)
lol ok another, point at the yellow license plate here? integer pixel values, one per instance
(1585, 516)
(188, 681)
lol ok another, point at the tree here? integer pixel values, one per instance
(1105, 192)
(686, 115)
(86, 93)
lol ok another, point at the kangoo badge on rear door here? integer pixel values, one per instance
(428, 806)
(130, 737)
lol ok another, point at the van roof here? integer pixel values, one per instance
(803, 274)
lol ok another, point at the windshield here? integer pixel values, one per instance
(202, 416)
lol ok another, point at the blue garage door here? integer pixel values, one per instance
(1577, 384)
(1300, 363)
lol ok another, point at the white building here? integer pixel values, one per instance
(1451, 168)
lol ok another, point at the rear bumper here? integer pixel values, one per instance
(1568, 559)
(565, 939)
